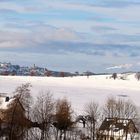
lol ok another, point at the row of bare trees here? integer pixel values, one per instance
(50, 119)
(115, 76)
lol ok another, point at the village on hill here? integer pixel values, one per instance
(10, 69)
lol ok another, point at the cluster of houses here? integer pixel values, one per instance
(110, 129)
(10, 69)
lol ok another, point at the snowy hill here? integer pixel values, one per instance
(79, 90)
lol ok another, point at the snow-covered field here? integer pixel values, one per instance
(78, 90)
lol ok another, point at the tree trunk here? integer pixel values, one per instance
(64, 135)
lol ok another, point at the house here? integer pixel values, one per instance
(13, 120)
(117, 129)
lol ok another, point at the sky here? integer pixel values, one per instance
(71, 35)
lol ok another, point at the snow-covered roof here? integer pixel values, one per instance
(116, 125)
(5, 101)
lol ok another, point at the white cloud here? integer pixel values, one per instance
(11, 7)
(35, 35)
(123, 66)
(138, 63)
(46, 33)
(19, 8)
(130, 12)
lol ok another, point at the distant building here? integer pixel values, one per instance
(117, 129)
(9, 69)
(5, 64)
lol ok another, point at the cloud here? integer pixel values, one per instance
(129, 13)
(116, 3)
(10, 6)
(63, 47)
(103, 29)
(134, 54)
(20, 7)
(35, 35)
(138, 63)
(123, 66)
(122, 38)
(43, 34)
(102, 3)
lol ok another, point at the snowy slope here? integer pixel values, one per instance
(78, 90)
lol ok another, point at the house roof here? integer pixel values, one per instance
(116, 124)
(3, 103)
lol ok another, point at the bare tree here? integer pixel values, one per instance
(92, 115)
(120, 108)
(19, 106)
(62, 74)
(114, 76)
(42, 114)
(23, 94)
(126, 109)
(109, 109)
(137, 75)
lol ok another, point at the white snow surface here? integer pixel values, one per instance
(78, 90)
